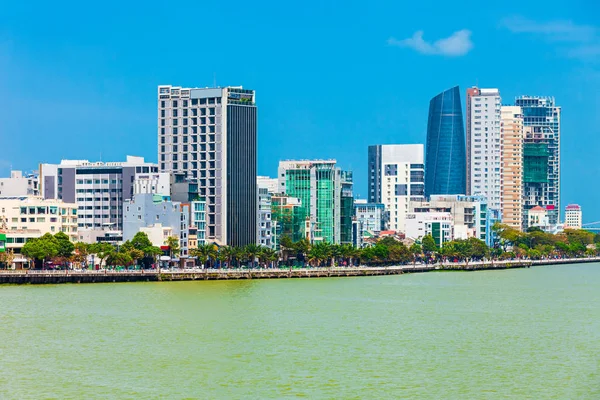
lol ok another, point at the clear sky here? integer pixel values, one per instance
(79, 80)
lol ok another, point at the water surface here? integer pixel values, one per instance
(527, 333)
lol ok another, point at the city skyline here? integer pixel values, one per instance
(107, 92)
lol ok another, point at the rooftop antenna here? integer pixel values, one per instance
(214, 79)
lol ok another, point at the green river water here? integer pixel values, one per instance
(526, 333)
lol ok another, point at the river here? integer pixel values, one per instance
(524, 333)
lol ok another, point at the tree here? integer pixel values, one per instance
(173, 244)
(65, 247)
(253, 250)
(286, 246)
(102, 250)
(429, 245)
(82, 251)
(204, 252)
(121, 258)
(41, 248)
(267, 255)
(140, 241)
(478, 249)
(302, 248)
(225, 254)
(416, 250)
(7, 258)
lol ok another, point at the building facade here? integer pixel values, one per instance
(573, 216)
(369, 219)
(264, 226)
(396, 175)
(440, 225)
(484, 145)
(541, 155)
(146, 210)
(27, 217)
(19, 184)
(271, 184)
(469, 214)
(288, 218)
(100, 188)
(511, 132)
(210, 135)
(445, 166)
(321, 186)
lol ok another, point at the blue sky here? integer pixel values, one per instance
(79, 80)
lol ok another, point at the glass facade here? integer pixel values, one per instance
(541, 155)
(445, 167)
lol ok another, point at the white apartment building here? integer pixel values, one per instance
(19, 184)
(440, 225)
(271, 184)
(484, 145)
(396, 176)
(573, 217)
(27, 217)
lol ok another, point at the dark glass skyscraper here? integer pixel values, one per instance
(445, 162)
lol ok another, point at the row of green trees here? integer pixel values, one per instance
(60, 250)
(511, 243)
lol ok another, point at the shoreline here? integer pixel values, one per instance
(23, 277)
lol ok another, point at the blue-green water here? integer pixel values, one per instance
(528, 333)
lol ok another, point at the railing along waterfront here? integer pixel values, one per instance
(125, 275)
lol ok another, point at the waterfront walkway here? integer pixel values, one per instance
(92, 276)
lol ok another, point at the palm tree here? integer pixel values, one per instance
(253, 250)
(347, 252)
(302, 247)
(238, 255)
(267, 255)
(204, 252)
(225, 254)
(286, 246)
(173, 243)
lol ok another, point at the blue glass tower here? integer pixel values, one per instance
(445, 163)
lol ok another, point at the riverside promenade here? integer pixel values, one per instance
(71, 276)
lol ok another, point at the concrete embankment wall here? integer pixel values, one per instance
(54, 277)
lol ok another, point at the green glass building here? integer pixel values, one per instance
(325, 194)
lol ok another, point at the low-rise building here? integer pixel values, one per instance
(27, 217)
(438, 224)
(369, 220)
(469, 213)
(573, 216)
(146, 210)
(19, 184)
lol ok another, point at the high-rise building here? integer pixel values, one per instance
(324, 190)
(511, 132)
(445, 166)
(484, 145)
(210, 135)
(396, 175)
(541, 155)
(100, 188)
(573, 216)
